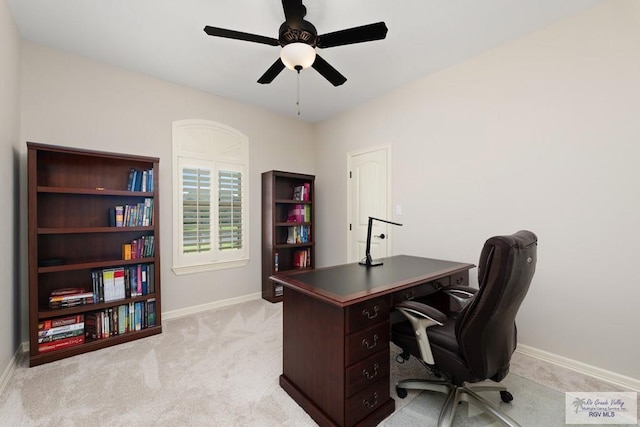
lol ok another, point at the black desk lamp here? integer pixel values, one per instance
(368, 261)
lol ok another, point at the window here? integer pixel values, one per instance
(211, 209)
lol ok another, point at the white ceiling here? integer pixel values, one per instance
(165, 39)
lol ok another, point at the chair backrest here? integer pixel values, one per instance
(485, 329)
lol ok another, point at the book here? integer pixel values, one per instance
(119, 210)
(108, 283)
(126, 251)
(60, 321)
(60, 329)
(60, 344)
(119, 287)
(69, 297)
(132, 173)
(122, 319)
(151, 312)
(151, 279)
(61, 336)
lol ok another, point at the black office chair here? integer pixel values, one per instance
(475, 344)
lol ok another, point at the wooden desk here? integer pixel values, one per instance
(336, 333)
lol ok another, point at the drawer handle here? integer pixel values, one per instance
(370, 346)
(459, 280)
(366, 313)
(368, 404)
(368, 375)
(408, 295)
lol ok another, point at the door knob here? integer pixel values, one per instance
(381, 236)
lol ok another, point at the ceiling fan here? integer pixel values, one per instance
(299, 39)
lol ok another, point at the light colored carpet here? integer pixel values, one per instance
(215, 368)
(534, 405)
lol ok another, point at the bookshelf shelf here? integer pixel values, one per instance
(287, 215)
(94, 264)
(93, 345)
(87, 230)
(72, 198)
(87, 308)
(103, 192)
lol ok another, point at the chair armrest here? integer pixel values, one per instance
(423, 311)
(462, 295)
(421, 317)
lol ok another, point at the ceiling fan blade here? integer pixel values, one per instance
(328, 72)
(238, 35)
(272, 72)
(294, 12)
(365, 33)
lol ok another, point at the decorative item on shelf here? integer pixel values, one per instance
(50, 262)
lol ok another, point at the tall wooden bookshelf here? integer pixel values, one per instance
(287, 227)
(72, 195)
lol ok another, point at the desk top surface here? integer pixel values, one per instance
(351, 283)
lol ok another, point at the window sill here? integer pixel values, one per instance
(201, 268)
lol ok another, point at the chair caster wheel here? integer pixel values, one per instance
(506, 396)
(401, 392)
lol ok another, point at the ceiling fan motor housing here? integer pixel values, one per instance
(305, 34)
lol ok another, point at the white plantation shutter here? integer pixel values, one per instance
(211, 197)
(229, 210)
(196, 210)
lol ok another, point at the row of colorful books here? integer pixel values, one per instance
(299, 234)
(119, 320)
(302, 258)
(138, 215)
(112, 284)
(59, 333)
(301, 192)
(140, 180)
(139, 248)
(299, 213)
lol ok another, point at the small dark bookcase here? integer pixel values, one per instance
(288, 232)
(71, 196)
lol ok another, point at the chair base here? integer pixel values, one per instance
(456, 394)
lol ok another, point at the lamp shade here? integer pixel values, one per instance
(297, 55)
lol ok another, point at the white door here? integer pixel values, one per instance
(369, 196)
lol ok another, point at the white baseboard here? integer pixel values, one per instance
(209, 306)
(8, 372)
(582, 368)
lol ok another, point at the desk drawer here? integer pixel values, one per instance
(367, 371)
(367, 313)
(367, 401)
(420, 290)
(364, 343)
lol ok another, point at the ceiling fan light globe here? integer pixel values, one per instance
(295, 55)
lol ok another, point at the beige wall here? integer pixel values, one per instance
(68, 100)
(542, 133)
(9, 187)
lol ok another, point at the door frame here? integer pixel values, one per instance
(387, 149)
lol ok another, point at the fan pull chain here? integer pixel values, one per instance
(298, 68)
(298, 92)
